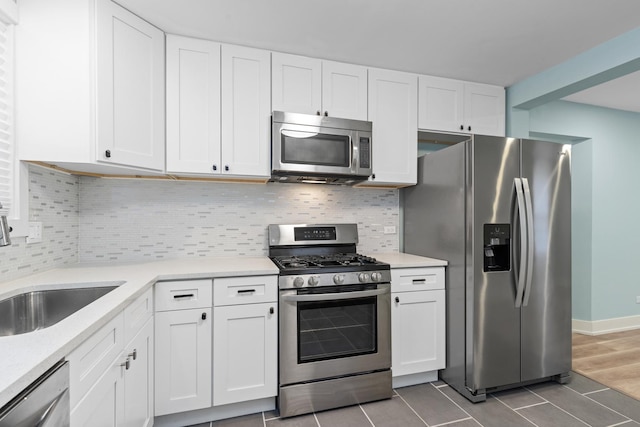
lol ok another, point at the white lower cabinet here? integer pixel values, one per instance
(103, 405)
(418, 320)
(112, 382)
(138, 384)
(245, 339)
(183, 346)
(245, 349)
(209, 363)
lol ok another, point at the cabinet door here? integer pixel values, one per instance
(484, 109)
(138, 380)
(103, 404)
(344, 90)
(183, 360)
(393, 105)
(193, 105)
(418, 332)
(245, 352)
(441, 104)
(130, 86)
(296, 84)
(246, 111)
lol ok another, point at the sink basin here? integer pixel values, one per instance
(30, 311)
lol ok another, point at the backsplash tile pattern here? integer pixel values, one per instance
(135, 220)
(53, 200)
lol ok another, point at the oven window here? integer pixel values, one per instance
(338, 328)
(319, 149)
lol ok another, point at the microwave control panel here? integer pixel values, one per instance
(365, 152)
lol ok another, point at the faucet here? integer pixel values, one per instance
(5, 239)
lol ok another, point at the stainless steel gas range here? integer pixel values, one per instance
(335, 319)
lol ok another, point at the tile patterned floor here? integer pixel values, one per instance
(582, 402)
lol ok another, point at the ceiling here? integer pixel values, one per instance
(490, 41)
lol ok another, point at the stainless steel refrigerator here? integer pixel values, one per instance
(499, 210)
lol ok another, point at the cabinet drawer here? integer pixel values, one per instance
(417, 279)
(89, 361)
(137, 314)
(183, 294)
(245, 290)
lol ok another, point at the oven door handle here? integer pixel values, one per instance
(335, 296)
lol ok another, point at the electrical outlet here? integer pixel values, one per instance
(389, 229)
(35, 232)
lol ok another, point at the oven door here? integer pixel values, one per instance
(334, 331)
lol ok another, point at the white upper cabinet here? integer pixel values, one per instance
(218, 109)
(393, 105)
(344, 90)
(484, 109)
(246, 111)
(456, 106)
(193, 106)
(103, 111)
(312, 86)
(297, 84)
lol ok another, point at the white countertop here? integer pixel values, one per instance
(23, 358)
(402, 260)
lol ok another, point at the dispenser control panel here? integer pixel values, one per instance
(497, 247)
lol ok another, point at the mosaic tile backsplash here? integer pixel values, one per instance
(136, 220)
(90, 219)
(53, 200)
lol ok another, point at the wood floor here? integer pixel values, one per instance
(611, 359)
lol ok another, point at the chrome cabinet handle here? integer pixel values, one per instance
(126, 364)
(133, 354)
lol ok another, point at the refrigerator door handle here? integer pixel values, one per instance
(522, 269)
(530, 241)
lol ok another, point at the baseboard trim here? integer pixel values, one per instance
(606, 326)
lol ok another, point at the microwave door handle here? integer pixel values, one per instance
(335, 296)
(354, 155)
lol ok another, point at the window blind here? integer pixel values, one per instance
(6, 120)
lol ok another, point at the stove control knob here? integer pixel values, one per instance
(363, 277)
(338, 279)
(376, 277)
(298, 281)
(313, 281)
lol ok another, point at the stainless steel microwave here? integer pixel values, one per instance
(308, 148)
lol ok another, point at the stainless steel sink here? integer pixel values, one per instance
(30, 311)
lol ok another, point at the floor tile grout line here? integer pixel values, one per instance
(264, 420)
(438, 388)
(315, 417)
(448, 423)
(366, 415)
(491, 396)
(553, 404)
(620, 423)
(605, 406)
(529, 406)
(595, 391)
(413, 410)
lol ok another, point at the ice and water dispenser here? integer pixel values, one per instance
(497, 247)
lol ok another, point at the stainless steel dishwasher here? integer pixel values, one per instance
(45, 403)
